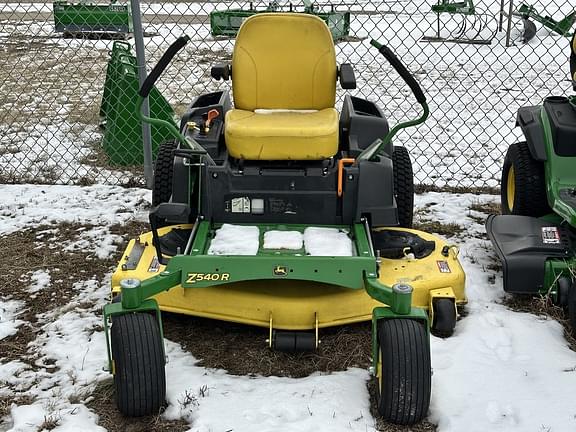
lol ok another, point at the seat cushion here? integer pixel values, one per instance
(282, 135)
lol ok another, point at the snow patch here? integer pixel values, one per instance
(9, 310)
(40, 279)
(327, 242)
(291, 240)
(31, 205)
(235, 240)
(321, 402)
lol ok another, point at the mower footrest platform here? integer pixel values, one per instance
(524, 244)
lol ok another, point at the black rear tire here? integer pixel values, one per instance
(403, 185)
(404, 384)
(523, 185)
(163, 168)
(445, 316)
(139, 373)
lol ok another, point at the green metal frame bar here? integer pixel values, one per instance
(161, 123)
(376, 147)
(89, 17)
(554, 269)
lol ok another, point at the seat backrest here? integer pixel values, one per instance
(284, 61)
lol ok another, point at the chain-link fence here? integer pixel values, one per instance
(68, 89)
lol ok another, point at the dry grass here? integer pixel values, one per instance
(423, 188)
(486, 208)
(242, 350)
(445, 229)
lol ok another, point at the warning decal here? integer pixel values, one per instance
(443, 267)
(550, 235)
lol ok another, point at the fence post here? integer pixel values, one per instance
(141, 63)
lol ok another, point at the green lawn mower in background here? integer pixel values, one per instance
(535, 237)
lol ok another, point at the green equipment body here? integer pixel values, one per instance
(122, 140)
(78, 18)
(227, 22)
(535, 236)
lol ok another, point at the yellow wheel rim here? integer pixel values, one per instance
(511, 188)
(379, 370)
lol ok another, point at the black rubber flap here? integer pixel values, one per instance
(523, 244)
(172, 240)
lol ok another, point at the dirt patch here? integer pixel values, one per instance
(103, 404)
(242, 350)
(40, 249)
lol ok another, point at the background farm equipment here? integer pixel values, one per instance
(227, 23)
(527, 12)
(535, 238)
(93, 20)
(474, 26)
(122, 139)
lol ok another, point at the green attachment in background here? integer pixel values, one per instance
(92, 18)
(561, 27)
(228, 22)
(461, 7)
(123, 129)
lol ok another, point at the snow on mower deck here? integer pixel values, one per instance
(292, 290)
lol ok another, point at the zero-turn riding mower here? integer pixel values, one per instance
(535, 238)
(282, 214)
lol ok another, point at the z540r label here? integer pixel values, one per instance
(192, 278)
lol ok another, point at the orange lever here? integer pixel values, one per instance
(341, 163)
(212, 114)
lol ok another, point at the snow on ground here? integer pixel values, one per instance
(40, 280)
(501, 371)
(9, 310)
(30, 205)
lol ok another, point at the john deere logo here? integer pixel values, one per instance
(280, 270)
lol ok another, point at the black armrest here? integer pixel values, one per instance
(223, 71)
(346, 76)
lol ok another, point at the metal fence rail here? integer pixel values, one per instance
(58, 65)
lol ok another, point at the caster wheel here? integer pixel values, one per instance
(138, 355)
(403, 372)
(445, 315)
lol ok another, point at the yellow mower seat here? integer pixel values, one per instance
(283, 64)
(282, 135)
